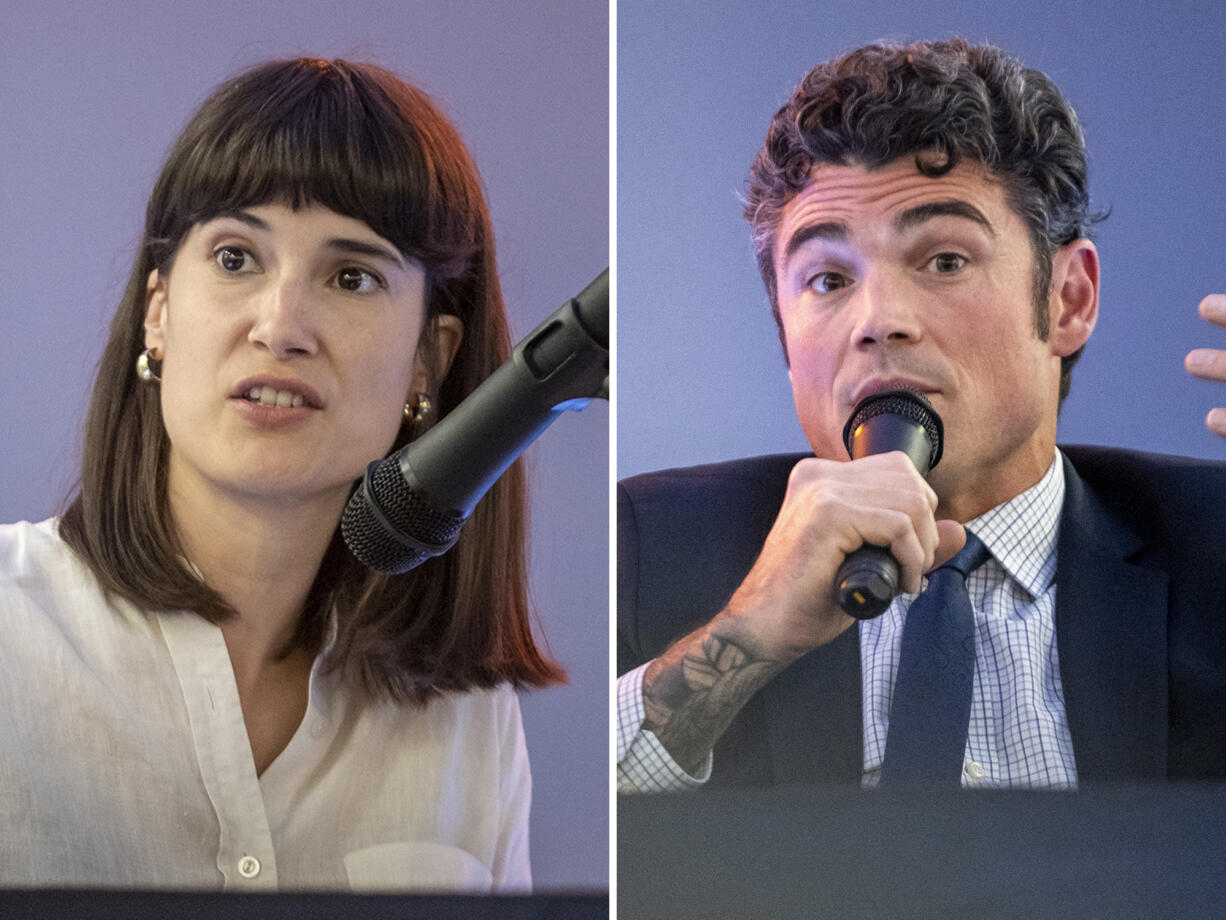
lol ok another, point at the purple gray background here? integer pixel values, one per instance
(91, 97)
(700, 375)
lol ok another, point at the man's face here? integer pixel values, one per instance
(890, 279)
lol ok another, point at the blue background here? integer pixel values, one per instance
(701, 376)
(91, 97)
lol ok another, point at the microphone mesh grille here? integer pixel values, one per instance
(909, 405)
(407, 511)
(403, 531)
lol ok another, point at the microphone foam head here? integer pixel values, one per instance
(390, 527)
(907, 404)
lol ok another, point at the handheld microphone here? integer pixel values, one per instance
(896, 420)
(411, 505)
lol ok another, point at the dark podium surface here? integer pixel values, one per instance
(79, 904)
(1146, 852)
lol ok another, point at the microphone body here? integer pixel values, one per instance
(867, 580)
(411, 505)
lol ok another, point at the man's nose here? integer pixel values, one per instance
(885, 313)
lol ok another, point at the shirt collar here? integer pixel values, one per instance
(1021, 533)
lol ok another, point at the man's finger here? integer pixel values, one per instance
(951, 537)
(1213, 308)
(1206, 363)
(1216, 421)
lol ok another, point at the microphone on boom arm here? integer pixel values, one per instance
(411, 505)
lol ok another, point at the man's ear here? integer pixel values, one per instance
(155, 313)
(1074, 302)
(437, 348)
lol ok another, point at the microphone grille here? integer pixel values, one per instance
(407, 511)
(906, 403)
(390, 527)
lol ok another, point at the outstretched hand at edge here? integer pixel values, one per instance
(1210, 363)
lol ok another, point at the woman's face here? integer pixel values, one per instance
(290, 344)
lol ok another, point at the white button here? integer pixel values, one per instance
(248, 867)
(974, 771)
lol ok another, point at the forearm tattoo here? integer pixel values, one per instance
(697, 689)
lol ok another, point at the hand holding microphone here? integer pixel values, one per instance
(831, 513)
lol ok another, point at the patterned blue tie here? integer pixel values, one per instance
(931, 710)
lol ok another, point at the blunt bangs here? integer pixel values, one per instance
(344, 136)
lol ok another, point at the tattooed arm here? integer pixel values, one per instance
(783, 609)
(694, 690)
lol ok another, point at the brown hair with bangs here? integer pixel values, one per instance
(356, 139)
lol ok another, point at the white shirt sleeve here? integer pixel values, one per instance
(643, 764)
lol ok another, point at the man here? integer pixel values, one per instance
(920, 217)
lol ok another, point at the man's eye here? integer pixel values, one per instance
(946, 263)
(232, 259)
(825, 282)
(358, 280)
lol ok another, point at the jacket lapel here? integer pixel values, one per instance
(1112, 644)
(1111, 641)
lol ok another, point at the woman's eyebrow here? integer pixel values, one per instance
(362, 247)
(339, 243)
(245, 217)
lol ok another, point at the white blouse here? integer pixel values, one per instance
(124, 759)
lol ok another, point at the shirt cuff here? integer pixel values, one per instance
(643, 763)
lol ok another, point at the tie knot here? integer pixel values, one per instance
(969, 558)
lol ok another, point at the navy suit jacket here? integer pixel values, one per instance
(1140, 615)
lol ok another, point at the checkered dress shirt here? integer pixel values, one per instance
(1018, 734)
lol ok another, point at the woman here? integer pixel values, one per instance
(205, 688)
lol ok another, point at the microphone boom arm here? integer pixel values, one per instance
(411, 505)
(563, 364)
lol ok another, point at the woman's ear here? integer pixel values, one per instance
(436, 349)
(155, 313)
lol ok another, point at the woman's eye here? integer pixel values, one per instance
(232, 259)
(946, 263)
(825, 282)
(358, 280)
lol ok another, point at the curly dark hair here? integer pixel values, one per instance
(940, 102)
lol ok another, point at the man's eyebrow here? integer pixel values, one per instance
(833, 230)
(362, 247)
(951, 207)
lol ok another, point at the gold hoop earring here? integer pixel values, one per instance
(144, 369)
(420, 411)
